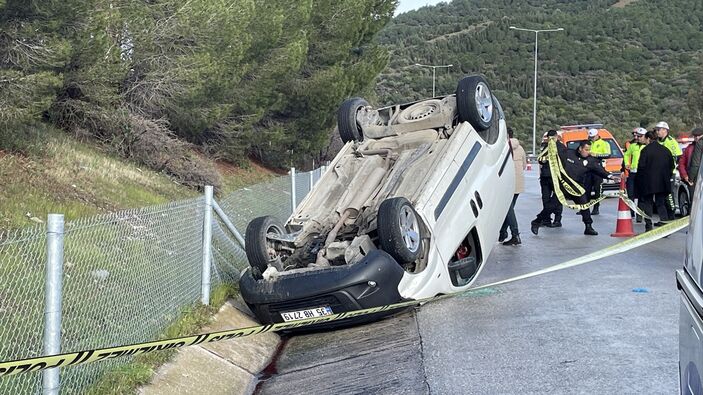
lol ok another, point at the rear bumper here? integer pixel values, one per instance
(610, 187)
(370, 283)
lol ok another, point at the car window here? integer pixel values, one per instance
(615, 151)
(573, 144)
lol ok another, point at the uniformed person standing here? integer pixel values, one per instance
(550, 202)
(631, 158)
(600, 150)
(665, 139)
(578, 164)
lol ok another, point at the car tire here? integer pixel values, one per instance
(421, 111)
(257, 247)
(684, 209)
(474, 102)
(349, 129)
(399, 230)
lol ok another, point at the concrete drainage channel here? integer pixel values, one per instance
(271, 370)
(339, 361)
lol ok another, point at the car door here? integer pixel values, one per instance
(494, 186)
(455, 211)
(479, 192)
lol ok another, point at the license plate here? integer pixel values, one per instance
(305, 314)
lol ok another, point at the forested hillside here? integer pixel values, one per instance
(150, 80)
(624, 63)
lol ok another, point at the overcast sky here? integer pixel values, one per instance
(407, 5)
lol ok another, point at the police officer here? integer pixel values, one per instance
(665, 139)
(600, 149)
(578, 164)
(631, 158)
(550, 202)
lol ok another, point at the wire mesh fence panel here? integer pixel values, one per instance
(127, 277)
(228, 257)
(22, 272)
(317, 174)
(269, 198)
(302, 186)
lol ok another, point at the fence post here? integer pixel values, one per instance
(293, 200)
(312, 179)
(52, 300)
(207, 244)
(228, 223)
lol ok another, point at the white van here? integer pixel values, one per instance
(410, 208)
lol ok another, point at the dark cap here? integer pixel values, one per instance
(551, 133)
(697, 132)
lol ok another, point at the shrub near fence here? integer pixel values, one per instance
(127, 276)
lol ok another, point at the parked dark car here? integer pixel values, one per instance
(690, 283)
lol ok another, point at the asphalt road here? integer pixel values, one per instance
(610, 326)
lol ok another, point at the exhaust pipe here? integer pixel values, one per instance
(352, 211)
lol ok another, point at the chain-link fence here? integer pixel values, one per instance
(22, 271)
(126, 276)
(304, 183)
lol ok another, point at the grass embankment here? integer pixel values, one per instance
(59, 174)
(77, 179)
(127, 378)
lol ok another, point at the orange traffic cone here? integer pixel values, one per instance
(623, 227)
(529, 166)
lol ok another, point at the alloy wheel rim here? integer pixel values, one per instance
(484, 102)
(409, 229)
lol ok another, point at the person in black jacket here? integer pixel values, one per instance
(652, 183)
(578, 164)
(550, 202)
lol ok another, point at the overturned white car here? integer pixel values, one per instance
(410, 207)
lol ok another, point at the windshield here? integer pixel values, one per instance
(614, 149)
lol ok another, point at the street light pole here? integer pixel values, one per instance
(534, 102)
(534, 95)
(434, 73)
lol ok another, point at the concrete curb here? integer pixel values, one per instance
(228, 367)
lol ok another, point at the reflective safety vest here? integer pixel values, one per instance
(632, 156)
(673, 146)
(600, 148)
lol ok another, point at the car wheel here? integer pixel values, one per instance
(683, 204)
(399, 230)
(475, 102)
(259, 249)
(420, 111)
(349, 129)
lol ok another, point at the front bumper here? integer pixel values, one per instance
(370, 283)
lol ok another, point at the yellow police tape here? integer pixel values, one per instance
(76, 358)
(632, 205)
(561, 179)
(574, 188)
